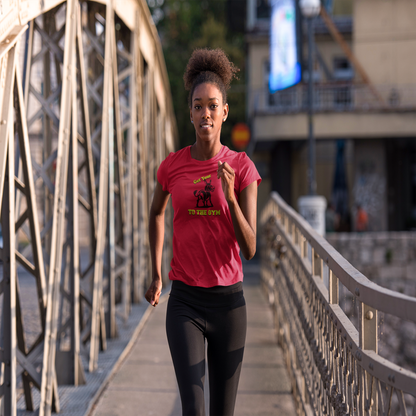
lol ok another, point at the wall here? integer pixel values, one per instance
(371, 124)
(329, 49)
(258, 55)
(379, 256)
(385, 40)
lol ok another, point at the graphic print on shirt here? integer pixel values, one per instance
(204, 196)
(203, 199)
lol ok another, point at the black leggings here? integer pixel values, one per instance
(218, 315)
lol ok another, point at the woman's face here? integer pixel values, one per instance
(208, 112)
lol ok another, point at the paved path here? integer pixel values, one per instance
(145, 383)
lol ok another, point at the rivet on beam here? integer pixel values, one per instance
(369, 315)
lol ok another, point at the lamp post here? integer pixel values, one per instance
(312, 207)
(310, 9)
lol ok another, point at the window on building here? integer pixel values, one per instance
(342, 69)
(343, 73)
(263, 9)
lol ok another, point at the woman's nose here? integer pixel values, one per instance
(205, 113)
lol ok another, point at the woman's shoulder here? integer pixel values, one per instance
(239, 157)
(169, 164)
(173, 157)
(245, 169)
(184, 152)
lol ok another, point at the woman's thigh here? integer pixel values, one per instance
(185, 332)
(226, 335)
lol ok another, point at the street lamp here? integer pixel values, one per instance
(312, 207)
(310, 9)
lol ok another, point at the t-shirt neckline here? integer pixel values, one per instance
(213, 159)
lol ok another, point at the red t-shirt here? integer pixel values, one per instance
(205, 249)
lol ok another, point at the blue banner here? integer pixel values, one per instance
(285, 70)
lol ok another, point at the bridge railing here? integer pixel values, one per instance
(333, 362)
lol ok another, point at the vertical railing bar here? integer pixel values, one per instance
(312, 252)
(333, 290)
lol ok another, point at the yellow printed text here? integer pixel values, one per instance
(202, 178)
(204, 212)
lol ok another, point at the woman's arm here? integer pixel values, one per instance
(244, 213)
(156, 236)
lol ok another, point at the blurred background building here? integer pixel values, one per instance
(365, 111)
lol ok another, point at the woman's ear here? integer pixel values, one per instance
(225, 111)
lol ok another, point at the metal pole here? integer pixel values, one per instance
(311, 140)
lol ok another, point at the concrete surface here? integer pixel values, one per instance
(145, 383)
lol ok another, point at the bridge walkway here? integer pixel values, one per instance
(145, 382)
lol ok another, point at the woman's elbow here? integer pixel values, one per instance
(249, 253)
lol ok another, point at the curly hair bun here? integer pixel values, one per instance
(209, 60)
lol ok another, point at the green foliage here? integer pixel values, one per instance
(190, 24)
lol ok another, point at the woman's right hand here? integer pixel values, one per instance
(153, 293)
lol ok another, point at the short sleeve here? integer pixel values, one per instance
(247, 172)
(163, 174)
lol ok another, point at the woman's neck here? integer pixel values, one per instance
(205, 150)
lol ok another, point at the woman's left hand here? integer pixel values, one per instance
(227, 175)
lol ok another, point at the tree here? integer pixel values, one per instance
(183, 26)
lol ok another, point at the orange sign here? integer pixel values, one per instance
(240, 136)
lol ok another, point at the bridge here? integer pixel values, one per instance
(86, 118)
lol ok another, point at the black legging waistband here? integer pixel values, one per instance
(217, 296)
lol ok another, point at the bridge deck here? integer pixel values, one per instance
(145, 383)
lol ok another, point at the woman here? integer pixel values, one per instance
(214, 196)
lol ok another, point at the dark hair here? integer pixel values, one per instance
(209, 66)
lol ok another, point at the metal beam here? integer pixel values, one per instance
(8, 321)
(58, 215)
(107, 136)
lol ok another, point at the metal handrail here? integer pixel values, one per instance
(340, 96)
(318, 337)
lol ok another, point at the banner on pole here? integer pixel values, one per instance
(285, 70)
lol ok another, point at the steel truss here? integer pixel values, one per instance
(94, 101)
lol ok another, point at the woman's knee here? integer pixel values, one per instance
(193, 410)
